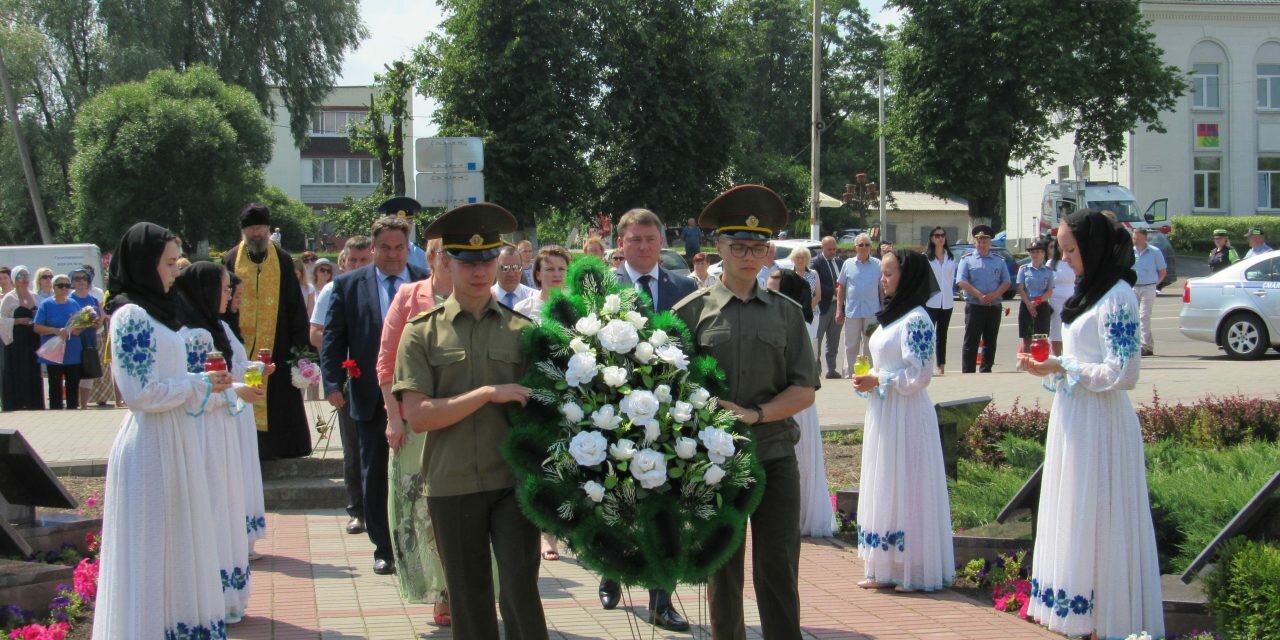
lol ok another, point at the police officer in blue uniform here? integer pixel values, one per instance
(984, 277)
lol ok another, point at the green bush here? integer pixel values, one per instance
(1194, 234)
(981, 490)
(1244, 590)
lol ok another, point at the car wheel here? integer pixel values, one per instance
(1244, 337)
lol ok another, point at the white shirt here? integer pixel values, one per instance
(384, 299)
(1258, 250)
(529, 307)
(521, 292)
(324, 300)
(635, 280)
(945, 273)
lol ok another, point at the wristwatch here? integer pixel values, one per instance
(759, 414)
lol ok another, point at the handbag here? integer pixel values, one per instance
(90, 362)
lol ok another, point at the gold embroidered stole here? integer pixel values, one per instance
(259, 311)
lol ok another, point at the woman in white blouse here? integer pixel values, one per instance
(943, 302)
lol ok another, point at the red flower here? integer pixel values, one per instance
(353, 371)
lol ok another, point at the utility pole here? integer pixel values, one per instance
(33, 186)
(884, 188)
(815, 142)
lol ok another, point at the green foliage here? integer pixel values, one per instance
(389, 105)
(1194, 234)
(981, 490)
(1244, 590)
(183, 150)
(294, 219)
(356, 217)
(962, 128)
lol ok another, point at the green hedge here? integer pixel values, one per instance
(1194, 234)
(1244, 590)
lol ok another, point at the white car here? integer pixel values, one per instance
(1237, 308)
(782, 257)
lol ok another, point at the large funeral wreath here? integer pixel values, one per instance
(622, 451)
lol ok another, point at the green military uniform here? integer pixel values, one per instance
(447, 352)
(762, 344)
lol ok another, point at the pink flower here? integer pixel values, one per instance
(55, 631)
(86, 579)
(91, 501)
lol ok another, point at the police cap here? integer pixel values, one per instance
(400, 207)
(982, 231)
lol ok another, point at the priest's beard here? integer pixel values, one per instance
(257, 247)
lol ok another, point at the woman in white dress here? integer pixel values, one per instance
(1064, 286)
(158, 577)
(255, 518)
(904, 516)
(203, 289)
(1095, 568)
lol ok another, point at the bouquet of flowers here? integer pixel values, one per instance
(303, 370)
(55, 349)
(623, 452)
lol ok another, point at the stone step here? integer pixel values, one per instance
(301, 468)
(285, 494)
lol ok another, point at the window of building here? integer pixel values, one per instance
(1205, 82)
(1207, 182)
(1269, 86)
(345, 171)
(334, 123)
(1269, 183)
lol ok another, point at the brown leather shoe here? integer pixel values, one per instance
(355, 526)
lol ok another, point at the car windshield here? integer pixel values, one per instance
(784, 253)
(1125, 210)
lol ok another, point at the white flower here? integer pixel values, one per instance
(686, 448)
(578, 346)
(699, 398)
(673, 354)
(623, 449)
(619, 336)
(588, 325)
(636, 320)
(572, 412)
(650, 468)
(588, 448)
(606, 417)
(681, 412)
(582, 369)
(663, 392)
(594, 490)
(651, 432)
(644, 352)
(713, 475)
(658, 338)
(615, 376)
(719, 444)
(640, 406)
(612, 303)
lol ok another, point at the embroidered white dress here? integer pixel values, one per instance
(220, 426)
(158, 579)
(1095, 567)
(904, 515)
(817, 518)
(255, 519)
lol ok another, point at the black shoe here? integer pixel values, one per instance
(668, 618)
(831, 375)
(384, 567)
(356, 525)
(610, 593)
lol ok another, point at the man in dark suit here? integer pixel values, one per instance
(828, 266)
(640, 239)
(353, 331)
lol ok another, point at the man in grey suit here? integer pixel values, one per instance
(640, 239)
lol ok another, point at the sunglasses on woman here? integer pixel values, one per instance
(62, 285)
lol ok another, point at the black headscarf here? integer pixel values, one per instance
(200, 289)
(1106, 249)
(916, 285)
(794, 286)
(134, 279)
(232, 318)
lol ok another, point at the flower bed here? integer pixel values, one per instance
(68, 610)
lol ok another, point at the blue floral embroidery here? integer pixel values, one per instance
(134, 348)
(1059, 602)
(885, 542)
(183, 631)
(238, 579)
(252, 524)
(920, 337)
(1122, 333)
(198, 347)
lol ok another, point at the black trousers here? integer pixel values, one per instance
(351, 467)
(466, 527)
(941, 322)
(60, 375)
(775, 558)
(981, 323)
(374, 456)
(1028, 326)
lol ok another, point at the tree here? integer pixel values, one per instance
(183, 150)
(381, 132)
(980, 84)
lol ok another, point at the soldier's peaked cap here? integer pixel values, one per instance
(472, 232)
(400, 207)
(745, 212)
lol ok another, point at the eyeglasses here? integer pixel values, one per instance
(616, 258)
(741, 250)
(939, 235)
(862, 244)
(508, 268)
(46, 277)
(62, 285)
(324, 270)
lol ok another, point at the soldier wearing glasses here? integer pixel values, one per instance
(760, 339)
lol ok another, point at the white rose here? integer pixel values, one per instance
(658, 338)
(686, 448)
(594, 490)
(681, 412)
(606, 417)
(572, 412)
(619, 336)
(623, 449)
(719, 444)
(615, 376)
(588, 325)
(672, 354)
(612, 303)
(713, 475)
(651, 432)
(663, 392)
(638, 321)
(582, 369)
(588, 448)
(650, 468)
(640, 406)
(579, 346)
(644, 352)
(699, 398)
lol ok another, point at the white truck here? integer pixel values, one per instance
(62, 258)
(1061, 198)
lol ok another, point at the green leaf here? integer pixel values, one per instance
(610, 481)
(674, 472)
(622, 466)
(561, 385)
